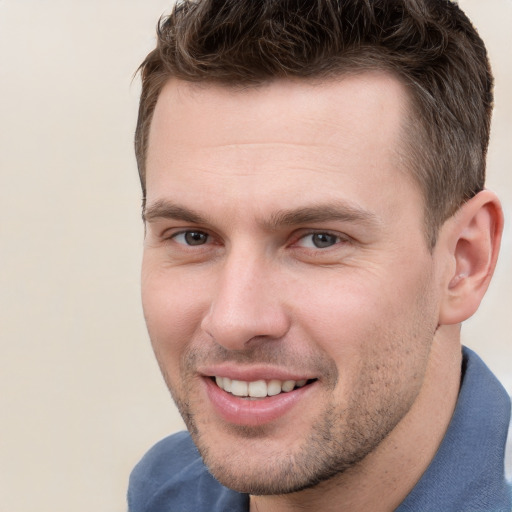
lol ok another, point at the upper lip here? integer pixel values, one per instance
(253, 373)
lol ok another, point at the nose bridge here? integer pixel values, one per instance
(245, 303)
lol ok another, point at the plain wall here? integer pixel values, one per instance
(80, 394)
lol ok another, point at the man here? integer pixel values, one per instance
(317, 228)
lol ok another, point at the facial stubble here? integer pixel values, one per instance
(337, 440)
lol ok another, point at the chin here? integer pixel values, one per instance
(251, 463)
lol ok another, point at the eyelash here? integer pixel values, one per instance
(338, 238)
(186, 232)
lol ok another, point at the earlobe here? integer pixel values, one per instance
(473, 236)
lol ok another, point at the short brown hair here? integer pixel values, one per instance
(429, 44)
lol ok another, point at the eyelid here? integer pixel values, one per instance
(170, 232)
(184, 234)
(343, 238)
(179, 232)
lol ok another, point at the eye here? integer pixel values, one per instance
(319, 240)
(191, 238)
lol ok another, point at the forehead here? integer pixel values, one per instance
(184, 109)
(280, 139)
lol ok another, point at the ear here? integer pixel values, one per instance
(471, 240)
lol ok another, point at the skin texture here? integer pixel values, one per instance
(237, 279)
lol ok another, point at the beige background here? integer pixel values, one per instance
(80, 395)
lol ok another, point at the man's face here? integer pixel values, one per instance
(285, 258)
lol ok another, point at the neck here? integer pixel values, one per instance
(382, 480)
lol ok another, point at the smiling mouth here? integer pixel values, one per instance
(259, 388)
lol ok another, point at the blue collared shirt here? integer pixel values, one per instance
(466, 475)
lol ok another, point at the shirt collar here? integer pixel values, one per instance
(467, 472)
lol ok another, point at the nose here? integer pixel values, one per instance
(246, 304)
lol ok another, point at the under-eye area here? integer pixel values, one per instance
(259, 388)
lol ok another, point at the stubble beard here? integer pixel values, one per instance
(338, 440)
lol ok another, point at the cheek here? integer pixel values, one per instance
(341, 307)
(369, 317)
(173, 309)
(380, 346)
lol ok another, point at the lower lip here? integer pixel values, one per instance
(242, 411)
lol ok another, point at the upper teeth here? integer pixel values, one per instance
(257, 388)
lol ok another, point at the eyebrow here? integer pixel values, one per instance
(312, 214)
(321, 213)
(165, 210)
